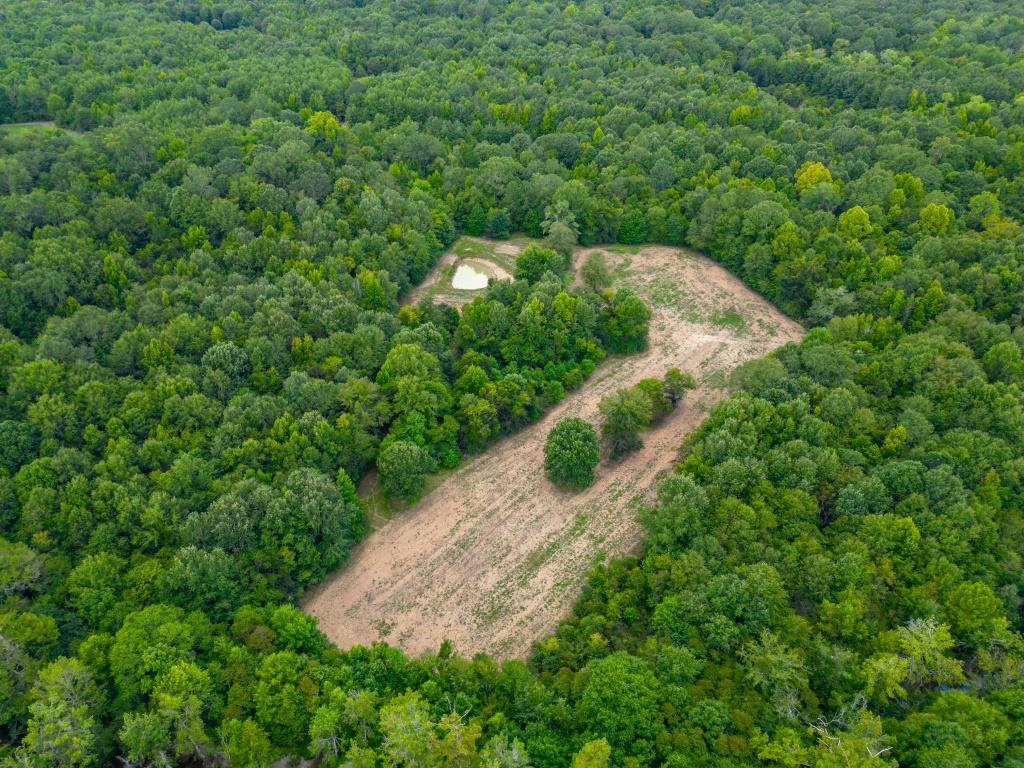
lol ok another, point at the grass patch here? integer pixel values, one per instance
(467, 248)
(379, 508)
(37, 128)
(729, 319)
(620, 248)
(665, 293)
(716, 380)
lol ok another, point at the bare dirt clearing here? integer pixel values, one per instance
(494, 556)
(493, 258)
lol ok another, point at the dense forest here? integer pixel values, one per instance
(203, 351)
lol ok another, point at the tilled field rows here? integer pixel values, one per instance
(494, 556)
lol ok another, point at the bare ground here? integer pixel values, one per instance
(494, 556)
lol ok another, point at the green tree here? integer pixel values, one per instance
(408, 732)
(593, 754)
(534, 262)
(498, 224)
(594, 272)
(854, 223)
(633, 228)
(624, 323)
(403, 468)
(621, 703)
(62, 729)
(624, 415)
(811, 174)
(571, 453)
(676, 385)
(935, 219)
(476, 220)
(245, 744)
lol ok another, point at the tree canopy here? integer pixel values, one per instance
(210, 214)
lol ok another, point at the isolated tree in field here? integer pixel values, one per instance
(403, 468)
(561, 238)
(571, 453)
(654, 390)
(626, 414)
(595, 274)
(676, 385)
(624, 323)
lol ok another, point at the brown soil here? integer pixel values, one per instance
(494, 556)
(413, 297)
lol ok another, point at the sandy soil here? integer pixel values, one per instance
(508, 249)
(413, 297)
(489, 268)
(494, 556)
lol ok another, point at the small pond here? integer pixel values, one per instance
(468, 279)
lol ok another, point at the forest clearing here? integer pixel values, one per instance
(495, 259)
(494, 556)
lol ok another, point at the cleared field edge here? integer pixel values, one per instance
(494, 557)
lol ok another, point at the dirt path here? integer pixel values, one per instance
(494, 557)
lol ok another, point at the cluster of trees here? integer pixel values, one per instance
(202, 351)
(628, 411)
(573, 451)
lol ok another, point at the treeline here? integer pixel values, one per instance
(203, 350)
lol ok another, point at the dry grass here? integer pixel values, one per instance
(494, 556)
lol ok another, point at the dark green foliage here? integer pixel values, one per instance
(571, 453)
(534, 262)
(403, 468)
(624, 415)
(633, 228)
(476, 220)
(624, 323)
(498, 223)
(676, 384)
(202, 343)
(18, 444)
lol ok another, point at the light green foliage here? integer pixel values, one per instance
(854, 223)
(594, 272)
(408, 732)
(620, 701)
(62, 728)
(246, 745)
(935, 218)
(811, 174)
(593, 754)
